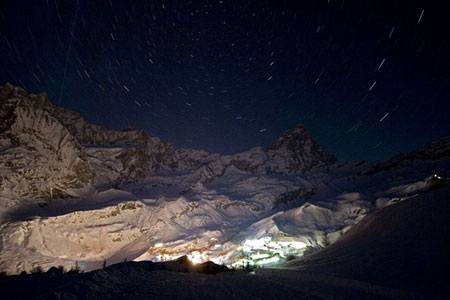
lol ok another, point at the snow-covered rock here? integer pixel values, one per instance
(39, 158)
(72, 192)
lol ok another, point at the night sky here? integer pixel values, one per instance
(368, 79)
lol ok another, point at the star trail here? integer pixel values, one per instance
(368, 79)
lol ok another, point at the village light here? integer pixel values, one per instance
(197, 257)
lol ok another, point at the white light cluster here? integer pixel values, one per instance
(197, 257)
(267, 250)
(268, 260)
(260, 255)
(260, 244)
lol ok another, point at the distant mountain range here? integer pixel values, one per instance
(76, 193)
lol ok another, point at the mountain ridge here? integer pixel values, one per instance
(141, 154)
(76, 193)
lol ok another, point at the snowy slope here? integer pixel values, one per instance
(133, 280)
(404, 245)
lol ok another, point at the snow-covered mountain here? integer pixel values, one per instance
(72, 192)
(404, 246)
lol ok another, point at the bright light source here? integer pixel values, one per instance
(267, 250)
(256, 244)
(259, 255)
(158, 245)
(268, 260)
(196, 257)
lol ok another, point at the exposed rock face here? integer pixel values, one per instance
(296, 152)
(39, 157)
(47, 152)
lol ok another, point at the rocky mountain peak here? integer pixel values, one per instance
(293, 140)
(299, 151)
(39, 158)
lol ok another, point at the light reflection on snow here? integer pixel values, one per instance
(260, 244)
(261, 251)
(166, 257)
(197, 257)
(269, 260)
(268, 250)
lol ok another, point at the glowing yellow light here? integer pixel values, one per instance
(159, 245)
(196, 257)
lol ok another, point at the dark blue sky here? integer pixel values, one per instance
(369, 79)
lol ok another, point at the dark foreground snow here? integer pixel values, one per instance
(135, 282)
(404, 246)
